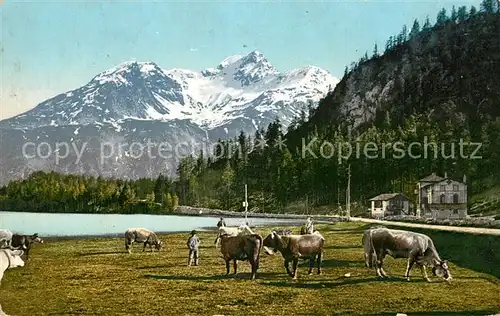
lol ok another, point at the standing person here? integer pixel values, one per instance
(193, 243)
(309, 226)
(221, 223)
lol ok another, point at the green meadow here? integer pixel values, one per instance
(95, 276)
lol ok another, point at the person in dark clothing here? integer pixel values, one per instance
(221, 223)
(193, 243)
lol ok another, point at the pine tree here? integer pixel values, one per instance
(488, 6)
(454, 14)
(473, 11)
(375, 51)
(159, 189)
(462, 14)
(415, 29)
(168, 202)
(427, 25)
(175, 202)
(388, 45)
(442, 18)
(226, 184)
(404, 34)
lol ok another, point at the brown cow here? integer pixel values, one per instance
(418, 248)
(242, 248)
(295, 247)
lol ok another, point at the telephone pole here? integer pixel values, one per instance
(246, 203)
(348, 206)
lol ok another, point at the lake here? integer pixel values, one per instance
(58, 224)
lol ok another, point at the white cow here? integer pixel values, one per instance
(233, 231)
(10, 259)
(5, 238)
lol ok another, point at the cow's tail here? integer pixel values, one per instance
(217, 238)
(261, 244)
(369, 249)
(261, 241)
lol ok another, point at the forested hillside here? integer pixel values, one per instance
(434, 84)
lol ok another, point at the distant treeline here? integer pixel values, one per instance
(57, 193)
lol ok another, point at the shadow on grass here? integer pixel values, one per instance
(242, 275)
(332, 263)
(442, 313)
(302, 282)
(345, 247)
(322, 285)
(158, 266)
(347, 232)
(102, 253)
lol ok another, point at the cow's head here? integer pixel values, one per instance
(271, 243)
(158, 244)
(441, 270)
(35, 238)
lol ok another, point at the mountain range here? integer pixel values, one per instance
(139, 102)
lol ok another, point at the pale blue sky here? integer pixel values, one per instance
(49, 47)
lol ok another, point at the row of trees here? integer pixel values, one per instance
(54, 192)
(456, 16)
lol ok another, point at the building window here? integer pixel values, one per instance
(455, 212)
(455, 187)
(442, 188)
(378, 204)
(442, 199)
(455, 198)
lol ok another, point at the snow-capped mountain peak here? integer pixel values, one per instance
(229, 61)
(241, 86)
(243, 70)
(126, 71)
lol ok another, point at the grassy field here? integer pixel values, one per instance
(95, 276)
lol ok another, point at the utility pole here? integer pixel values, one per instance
(246, 203)
(348, 206)
(307, 202)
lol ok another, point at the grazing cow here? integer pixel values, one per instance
(10, 259)
(295, 247)
(233, 231)
(142, 235)
(418, 248)
(5, 238)
(25, 242)
(242, 248)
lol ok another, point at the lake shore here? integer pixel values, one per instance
(296, 224)
(200, 211)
